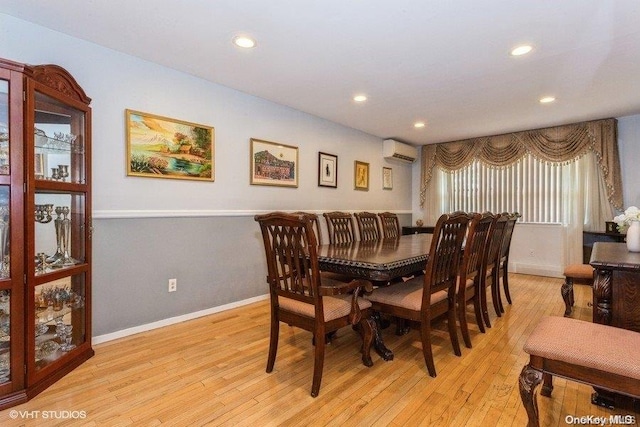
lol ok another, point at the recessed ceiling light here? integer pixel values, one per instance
(360, 98)
(244, 42)
(418, 125)
(521, 50)
(547, 99)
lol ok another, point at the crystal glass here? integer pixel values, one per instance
(4, 127)
(58, 141)
(64, 326)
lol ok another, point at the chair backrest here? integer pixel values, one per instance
(292, 259)
(315, 222)
(475, 245)
(507, 235)
(494, 243)
(390, 225)
(340, 227)
(444, 256)
(368, 225)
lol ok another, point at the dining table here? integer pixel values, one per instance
(381, 262)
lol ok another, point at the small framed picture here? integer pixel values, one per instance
(361, 176)
(39, 166)
(273, 164)
(387, 178)
(327, 170)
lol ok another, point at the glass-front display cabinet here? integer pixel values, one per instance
(45, 228)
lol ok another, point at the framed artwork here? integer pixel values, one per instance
(387, 178)
(327, 170)
(273, 164)
(39, 166)
(160, 147)
(361, 176)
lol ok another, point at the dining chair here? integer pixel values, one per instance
(489, 272)
(470, 272)
(433, 294)
(315, 222)
(301, 297)
(340, 227)
(368, 226)
(390, 225)
(504, 258)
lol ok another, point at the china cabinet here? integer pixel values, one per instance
(45, 226)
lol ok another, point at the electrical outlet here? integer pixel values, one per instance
(173, 285)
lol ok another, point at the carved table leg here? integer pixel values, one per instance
(567, 295)
(378, 344)
(529, 379)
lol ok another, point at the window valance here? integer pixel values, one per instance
(559, 144)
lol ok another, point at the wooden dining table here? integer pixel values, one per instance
(381, 262)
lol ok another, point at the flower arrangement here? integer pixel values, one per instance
(623, 221)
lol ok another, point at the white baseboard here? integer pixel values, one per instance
(173, 320)
(536, 270)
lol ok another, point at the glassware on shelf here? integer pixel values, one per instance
(56, 258)
(46, 349)
(68, 337)
(41, 328)
(67, 259)
(4, 149)
(59, 142)
(43, 213)
(4, 242)
(63, 172)
(5, 364)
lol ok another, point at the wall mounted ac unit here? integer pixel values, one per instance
(392, 149)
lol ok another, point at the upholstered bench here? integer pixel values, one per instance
(590, 353)
(574, 273)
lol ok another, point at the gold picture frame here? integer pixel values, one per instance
(387, 178)
(272, 163)
(361, 176)
(161, 147)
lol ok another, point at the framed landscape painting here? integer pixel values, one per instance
(361, 176)
(273, 163)
(160, 147)
(327, 170)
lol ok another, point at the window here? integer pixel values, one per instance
(530, 187)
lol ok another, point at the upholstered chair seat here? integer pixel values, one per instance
(408, 295)
(334, 307)
(567, 340)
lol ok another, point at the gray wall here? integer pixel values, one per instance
(217, 261)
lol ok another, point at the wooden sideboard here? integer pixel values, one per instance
(591, 237)
(417, 230)
(616, 300)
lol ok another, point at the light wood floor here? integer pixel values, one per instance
(211, 371)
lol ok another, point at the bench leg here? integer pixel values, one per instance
(567, 296)
(530, 378)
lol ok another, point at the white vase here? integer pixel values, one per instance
(633, 237)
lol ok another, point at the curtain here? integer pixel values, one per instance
(563, 144)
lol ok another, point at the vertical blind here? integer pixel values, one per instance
(530, 187)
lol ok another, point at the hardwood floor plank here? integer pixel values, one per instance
(211, 371)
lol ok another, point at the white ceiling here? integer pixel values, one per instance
(443, 62)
